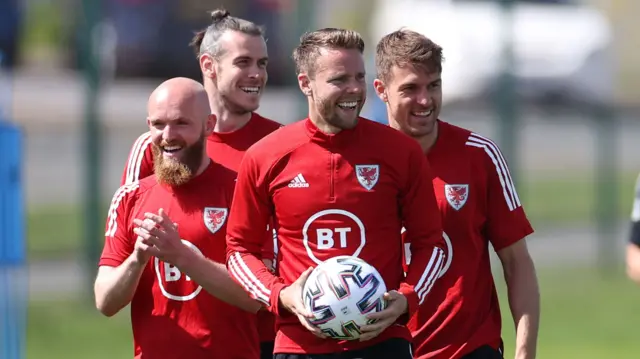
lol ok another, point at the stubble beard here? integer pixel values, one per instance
(226, 97)
(234, 107)
(329, 113)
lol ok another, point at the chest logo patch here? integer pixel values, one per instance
(368, 175)
(456, 195)
(214, 218)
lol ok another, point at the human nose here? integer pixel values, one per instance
(424, 98)
(258, 73)
(356, 87)
(169, 133)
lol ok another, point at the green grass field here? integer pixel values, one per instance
(66, 329)
(56, 231)
(584, 316)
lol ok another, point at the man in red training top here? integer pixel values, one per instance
(336, 184)
(479, 205)
(232, 53)
(172, 317)
(233, 58)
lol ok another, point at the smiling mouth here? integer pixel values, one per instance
(254, 90)
(171, 150)
(348, 105)
(426, 113)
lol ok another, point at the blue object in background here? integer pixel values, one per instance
(13, 278)
(375, 109)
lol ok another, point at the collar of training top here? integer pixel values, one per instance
(237, 133)
(344, 137)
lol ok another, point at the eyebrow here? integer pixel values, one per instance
(246, 57)
(178, 119)
(414, 82)
(338, 76)
(407, 85)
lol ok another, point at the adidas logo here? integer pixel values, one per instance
(298, 182)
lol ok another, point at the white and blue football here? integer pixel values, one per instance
(340, 292)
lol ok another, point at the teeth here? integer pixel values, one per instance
(423, 113)
(250, 89)
(351, 104)
(172, 148)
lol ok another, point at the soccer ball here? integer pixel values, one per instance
(340, 292)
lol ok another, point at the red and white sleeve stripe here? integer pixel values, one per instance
(136, 157)
(247, 279)
(502, 170)
(430, 274)
(112, 214)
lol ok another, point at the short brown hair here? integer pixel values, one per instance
(206, 40)
(306, 53)
(407, 48)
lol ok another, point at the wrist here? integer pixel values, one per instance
(138, 260)
(275, 304)
(524, 353)
(282, 299)
(405, 303)
(186, 257)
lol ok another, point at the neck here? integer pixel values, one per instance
(203, 165)
(427, 141)
(230, 122)
(323, 125)
(226, 121)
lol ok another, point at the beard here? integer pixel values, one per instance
(235, 107)
(328, 111)
(177, 172)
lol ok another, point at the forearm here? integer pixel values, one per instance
(422, 272)
(524, 302)
(215, 279)
(255, 278)
(633, 262)
(115, 286)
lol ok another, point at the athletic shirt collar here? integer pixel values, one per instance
(440, 144)
(340, 139)
(242, 132)
(195, 182)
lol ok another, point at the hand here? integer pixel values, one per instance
(162, 234)
(396, 306)
(141, 249)
(291, 300)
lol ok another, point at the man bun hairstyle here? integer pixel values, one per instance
(206, 41)
(219, 15)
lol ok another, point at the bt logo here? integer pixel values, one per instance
(333, 232)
